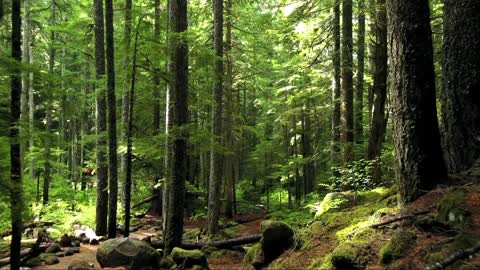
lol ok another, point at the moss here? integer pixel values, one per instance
(398, 246)
(43, 256)
(251, 253)
(347, 256)
(188, 257)
(332, 202)
(452, 211)
(33, 262)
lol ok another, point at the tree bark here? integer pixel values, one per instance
(179, 98)
(216, 165)
(461, 84)
(16, 195)
(419, 162)
(112, 123)
(378, 121)
(336, 114)
(360, 74)
(347, 80)
(101, 122)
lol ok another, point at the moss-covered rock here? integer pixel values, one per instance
(189, 258)
(33, 262)
(53, 248)
(79, 265)
(166, 263)
(191, 234)
(452, 211)
(254, 258)
(51, 260)
(398, 246)
(333, 201)
(207, 250)
(277, 237)
(43, 256)
(127, 251)
(347, 256)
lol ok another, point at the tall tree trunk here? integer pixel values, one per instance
(127, 36)
(229, 122)
(461, 84)
(16, 195)
(216, 165)
(420, 165)
(379, 122)
(336, 114)
(101, 123)
(372, 27)
(347, 79)
(308, 166)
(128, 171)
(48, 117)
(360, 73)
(179, 86)
(112, 123)
(156, 74)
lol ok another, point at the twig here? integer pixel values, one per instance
(460, 255)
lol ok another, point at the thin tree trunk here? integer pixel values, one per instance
(179, 87)
(128, 176)
(360, 73)
(216, 165)
(156, 75)
(461, 84)
(420, 165)
(112, 123)
(336, 114)
(16, 195)
(347, 80)
(127, 36)
(101, 123)
(379, 122)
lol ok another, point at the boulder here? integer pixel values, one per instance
(66, 241)
(68, 252)
(53, 248)
(33, 262)
(277, 237)
(129, 252)
(51, 260)
(79, 265)
(76, 243)
(346, 256)
(60, 254)
(189, 258)
(452, 211)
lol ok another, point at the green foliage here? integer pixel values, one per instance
(356, 175)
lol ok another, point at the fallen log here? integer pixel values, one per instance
(460, 255)
(147, 200)
(222, 244)
(28, 253)
(390, 221)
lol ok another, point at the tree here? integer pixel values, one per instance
(360, 74)
(419, 162)
(336, 85)
(112, 122)
(101, 122)
(461, 83)
(347, 79)
(378, 122)
(179, 100)
(216, 160)
(16, 193)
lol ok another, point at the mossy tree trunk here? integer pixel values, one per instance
(335, 151)
(347, 80)
(419, 162)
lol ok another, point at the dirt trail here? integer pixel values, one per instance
(87, 253)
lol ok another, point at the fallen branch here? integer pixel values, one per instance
(147, 200)
(222, 244)
(390, 221)
(24, 253)
(460, 255)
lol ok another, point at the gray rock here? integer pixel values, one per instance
(51, 260)
(130, 252)
(79, 265)
(68, 252)
(53, 248)
(60, 254)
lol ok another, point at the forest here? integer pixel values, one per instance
(247, 134)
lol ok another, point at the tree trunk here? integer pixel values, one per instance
(216, 165)
(112, 123)
(128, 171)
(101, 123)
(360, 73)
(336, 114)
(179, 98)
(347, 79)
(420, 165)
(127, 36)
(16, 195)
(378, 122)
(461, 84)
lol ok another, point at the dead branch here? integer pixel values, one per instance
(390, 221)
(460, 255)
